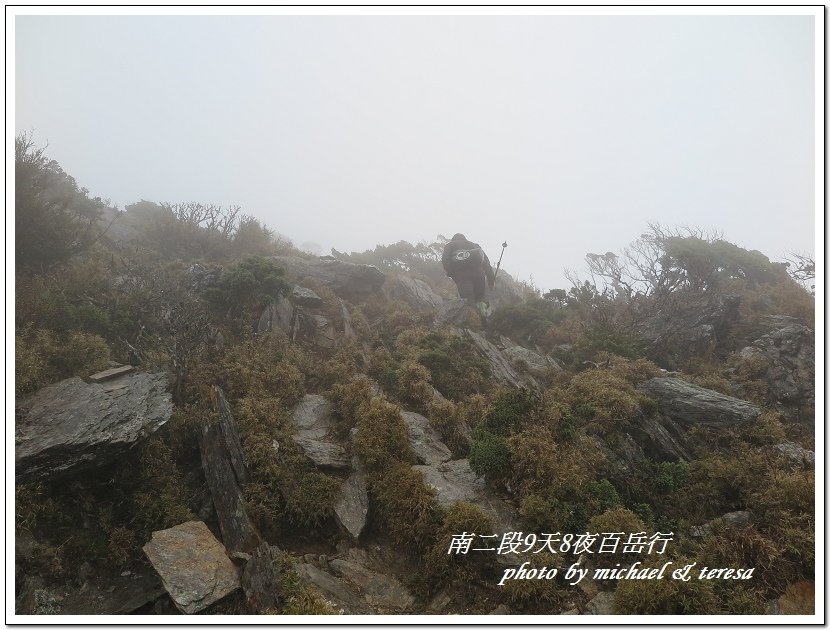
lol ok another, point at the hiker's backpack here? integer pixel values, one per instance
(467, 259)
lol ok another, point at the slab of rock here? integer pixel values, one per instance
(535, 362)
(691, 405)
(379, 590)
(193, 565)
(424, 440)
(741, 518)
(305, 297)
(225, 472)
(414, 292)
(282, 315)
(261, 579)
(500, 366)
(338, 592)
(347, 280)
(796, 454)
(113, 372)
(453, 313)
(602, 604)
(314, 420)
(455, 481)
(73, 426)
(660, 437)
(352, 505)
(790, 352)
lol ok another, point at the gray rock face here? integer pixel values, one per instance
(535, 362)
(690, 405)
(796, 454)
(261, 579)
(661, 438)
(501, 367)
(414, 292)
(455, 481)
(425, 441)
(347, 280)
(193, 566)
(338, 592)
(299, 324)
(225, 472)
(305, 297)
(741, 518)
(791, 374)
(199, 277)
(314, 421)
(453, 313)
(352, 505)
(280, 315)
(73, 426)
(380, 591)
(602, 604)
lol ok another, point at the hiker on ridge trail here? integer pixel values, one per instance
(467, 264)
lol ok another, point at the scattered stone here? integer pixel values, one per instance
(72, 426)
(380, 591)
(114, 372)
(193, 565)
(351, 508)
(424, 440)
(691, 405)
(261, 579)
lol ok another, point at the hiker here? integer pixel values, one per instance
(467, 264)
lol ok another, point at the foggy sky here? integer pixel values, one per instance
(561, 135)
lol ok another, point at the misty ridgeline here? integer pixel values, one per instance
(195, 392)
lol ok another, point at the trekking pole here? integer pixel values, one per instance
(503, 245)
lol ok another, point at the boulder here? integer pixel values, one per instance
(500, 366)
(601, 604)
(660, 437)
(346, 280)
(193, 565)
(314, 421)
(261, 579)
(790, 353)
(453, 313)
(225, 472)
(381, 591)
(304, 297)
(741, 518)
(414, 292)
(73, 426)
(536, 363)
(281, 314)
(455, 481)
(351, 508)
(691, 405)
(796, 454)
(424, 440)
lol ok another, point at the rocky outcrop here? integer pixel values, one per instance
(314, 422)
(342, 595)
(198, 277)
(453, 313)
(346, 280)
(414, 292)
(261, 579)
(225, 472)
(455, 481)
(537, 364)
(351, 508)
(424, 440)
(790, 354)
(691, 405)
(601, 604)
(795, 454)
(193, 566)
(293, 315)
(73, 426)
(660, 437)
(500, 366)
(381, 591)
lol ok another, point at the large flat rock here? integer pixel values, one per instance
(193, 565)
(314, 421)
(691, 405)
(424, 440)
(72, 426)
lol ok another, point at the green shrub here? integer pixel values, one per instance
(490, 457)
(666, 596)
(312, 501)
(382, 439)
(408, 509)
